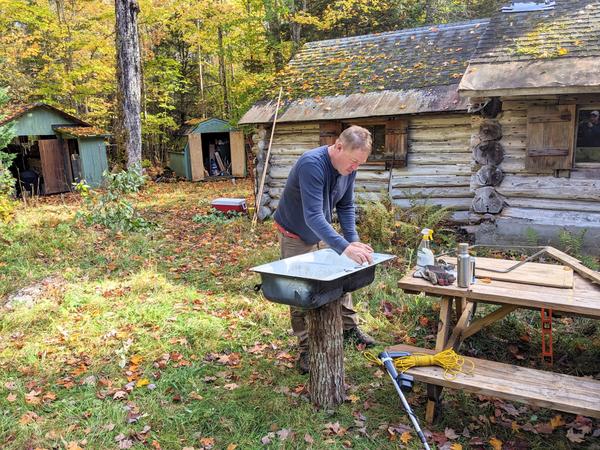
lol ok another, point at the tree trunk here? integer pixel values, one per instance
(326, 355)
(222, 73)
(129, 128)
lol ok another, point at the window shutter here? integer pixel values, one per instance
(550, 137)
(396, 141)
(329, 132)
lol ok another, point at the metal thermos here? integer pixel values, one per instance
(464, 267)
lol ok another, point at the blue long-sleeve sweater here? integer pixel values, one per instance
(313, 189)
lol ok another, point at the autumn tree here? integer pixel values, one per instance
(128, 127)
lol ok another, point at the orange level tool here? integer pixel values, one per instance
(547, 354)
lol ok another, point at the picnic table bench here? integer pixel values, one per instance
(543, 388)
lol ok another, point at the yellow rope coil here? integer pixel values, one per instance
(449, 360)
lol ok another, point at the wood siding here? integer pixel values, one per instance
(438, 169)
(541, 199)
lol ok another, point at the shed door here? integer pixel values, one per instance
(196, 159)
(53, 156)
(238, 153)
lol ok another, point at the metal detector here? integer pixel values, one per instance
(402, 383)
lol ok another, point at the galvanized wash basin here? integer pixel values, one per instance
(314, 279)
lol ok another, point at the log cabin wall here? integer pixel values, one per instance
(544, 201)
(438, 167)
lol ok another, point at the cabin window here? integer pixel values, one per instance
(587, 147)
(389, 140)
(378, 152)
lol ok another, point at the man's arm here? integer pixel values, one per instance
(346, 213)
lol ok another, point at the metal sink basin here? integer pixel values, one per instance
(315, 279)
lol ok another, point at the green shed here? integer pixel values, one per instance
(211, 148)
(54, 149)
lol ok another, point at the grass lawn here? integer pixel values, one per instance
(158, 340)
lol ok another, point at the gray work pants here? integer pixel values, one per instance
(293, 247)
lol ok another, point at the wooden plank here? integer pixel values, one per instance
(550, 187)
(529, 273)
(238, 153)
(492, 317)
(576, 395)
(52, 155)
(583, 299)
(196, 157)
(552, 204)
(552, 217)
(465, 314)
(582, 270)
(220, 162)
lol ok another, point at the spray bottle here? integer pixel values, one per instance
(424, 254)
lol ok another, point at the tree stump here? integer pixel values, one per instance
(326, 355)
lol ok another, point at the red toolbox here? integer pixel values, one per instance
(229, 204)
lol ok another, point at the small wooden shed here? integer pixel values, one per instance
(211, 148)
(403, 86)
(54, 148)
(540, 65)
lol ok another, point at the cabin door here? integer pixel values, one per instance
(54, 160)
(238, 153)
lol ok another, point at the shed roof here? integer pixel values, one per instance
(81, 132)
(399, 72)
(13, 111)
(209, 125)
(553, 51)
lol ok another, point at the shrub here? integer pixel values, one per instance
(572, 243)
(376, 224)
(386, 226)
(7, 209)
(112, 209)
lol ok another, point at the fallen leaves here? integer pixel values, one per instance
(28, 418)
(495, 443)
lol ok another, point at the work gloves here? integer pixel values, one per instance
(442, 275)
(439, 275)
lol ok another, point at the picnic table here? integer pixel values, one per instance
(543, 388)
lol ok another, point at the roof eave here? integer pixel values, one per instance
(573, 75)
(357, 105)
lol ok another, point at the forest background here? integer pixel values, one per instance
(200, 58)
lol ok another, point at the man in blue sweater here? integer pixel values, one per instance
(323, 180)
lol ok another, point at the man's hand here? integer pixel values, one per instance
(359, 253)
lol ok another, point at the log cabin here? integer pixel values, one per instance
(536, 159)
(483, 117)
(403, 87)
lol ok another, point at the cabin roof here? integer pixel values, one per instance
(556, 50)
(391, 73)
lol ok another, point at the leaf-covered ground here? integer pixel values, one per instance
(157, 340)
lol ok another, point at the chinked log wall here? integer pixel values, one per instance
(438, 167)
(541, 197)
